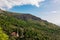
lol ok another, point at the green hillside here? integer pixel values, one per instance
(18, 26)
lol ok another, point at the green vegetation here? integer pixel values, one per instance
(3, 36)
(27, 29)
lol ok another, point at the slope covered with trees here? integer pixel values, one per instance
(17, 26)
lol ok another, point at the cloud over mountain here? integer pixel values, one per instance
(7, 4)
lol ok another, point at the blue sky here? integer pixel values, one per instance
(46, 9)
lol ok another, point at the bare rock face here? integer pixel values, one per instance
(1, 11)
(26, 17)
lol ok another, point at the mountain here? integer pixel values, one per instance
(20, 26)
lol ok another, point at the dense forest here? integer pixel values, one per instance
(19, 26)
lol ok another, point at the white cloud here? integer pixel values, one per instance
(51, 11)
(56, 1)
(52, 16)
(7, 4)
